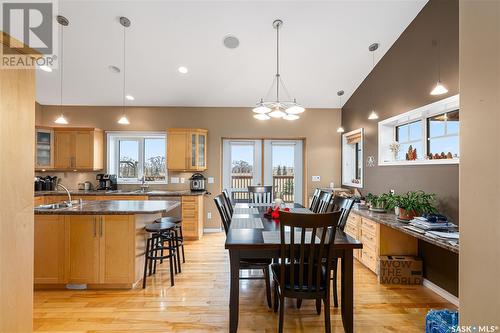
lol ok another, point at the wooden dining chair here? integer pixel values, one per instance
(260, 194)
(315, 200)
(306, 254)
(228, 202)
(247, 264)
(325, 203)
(344, 206)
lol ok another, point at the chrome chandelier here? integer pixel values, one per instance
(288, 109)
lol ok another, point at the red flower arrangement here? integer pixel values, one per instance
(275, 213)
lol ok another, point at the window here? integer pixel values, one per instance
(442, 135)
(352, 158)
(433, 130)
(133, 155)
(409, 135)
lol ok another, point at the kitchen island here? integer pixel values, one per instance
(95, 244)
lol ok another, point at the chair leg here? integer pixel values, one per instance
(171, 261)
(299, 303)
(276, 299)
(282, 314)
(145, 264)
(268, 286)
(328, 327)
(155, 253)
(318, 306)
(177, 250)
(335, 294)
(182, 245)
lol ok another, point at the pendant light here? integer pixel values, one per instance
(288, 109)
(61, 120)
(372, 48)
(340, 93)
(439, 89)
(125, 22)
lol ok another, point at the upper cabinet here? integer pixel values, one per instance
(186, 149)
(78, 149)
(44, 150)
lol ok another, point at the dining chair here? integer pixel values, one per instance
(260, 194)
(306, 253)
(315, 200)
(325, 203)
(228, 202)
(246, 264)
(344, 206)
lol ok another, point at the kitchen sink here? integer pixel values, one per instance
(59, 205)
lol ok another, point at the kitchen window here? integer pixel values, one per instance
(409, 135)
(134, 156)
(442, 134)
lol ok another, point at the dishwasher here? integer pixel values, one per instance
(177, 211)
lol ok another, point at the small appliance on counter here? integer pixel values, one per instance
(106, 182)
(85, 186)
(46, 183)
(197, 182)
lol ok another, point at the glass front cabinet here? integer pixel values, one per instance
(44, 149)
(187, 149)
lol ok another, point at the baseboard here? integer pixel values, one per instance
(441, 292)
(211, 230)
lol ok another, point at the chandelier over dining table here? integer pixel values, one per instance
(287, 109)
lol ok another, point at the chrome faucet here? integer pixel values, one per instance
(144, 186)
(69, 203)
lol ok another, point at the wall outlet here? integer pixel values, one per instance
(210, 180)
(174, 180)
(209, 215)
(183, 180)
(316, 178)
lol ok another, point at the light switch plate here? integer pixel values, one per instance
(183, 180)
(174, 180)
(210, 180)
(209, 215)
(316, 178)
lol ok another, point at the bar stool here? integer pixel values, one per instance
(179, 237)
(160, 233)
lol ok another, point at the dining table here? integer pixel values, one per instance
(251, 235)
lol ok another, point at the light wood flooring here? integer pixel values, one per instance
(199, 303)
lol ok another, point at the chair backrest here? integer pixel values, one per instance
(224, 214)
(344, 205)
(325, 203)
(307, 243)
(260, 194)
(315, 200)
(227, 200)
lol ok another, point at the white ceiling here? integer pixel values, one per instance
(324, 48)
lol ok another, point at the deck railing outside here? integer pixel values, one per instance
(282, 184)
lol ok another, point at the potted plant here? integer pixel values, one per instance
(377, 203)
(414, 203)
(392, 202)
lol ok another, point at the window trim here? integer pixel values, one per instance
(387, 131)
(446, 135)
(112, 146)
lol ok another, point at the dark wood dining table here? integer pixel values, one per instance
(249, 243)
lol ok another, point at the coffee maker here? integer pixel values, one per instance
(106, 182)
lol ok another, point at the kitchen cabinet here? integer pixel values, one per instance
(186, 149)
(44, 149)
(78, 149)
(83, 239)
(192, 216)
(50, 261)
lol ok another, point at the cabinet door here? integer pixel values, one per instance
(44, 148)
(193, 155)
(50, 249)
(63, 149)
(117, 235)
(177, 151)
(84, 150)
(202, 151)
(83, 249)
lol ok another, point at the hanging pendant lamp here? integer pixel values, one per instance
(286, 109)
(340, 93)
(439, 88)
(125, 22)
(61, 120)
(373, 114)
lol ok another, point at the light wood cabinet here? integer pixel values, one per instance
(83, 238)
(192, 216)
(78, 149)
(44, 150)
(50, 262)
(186, 149)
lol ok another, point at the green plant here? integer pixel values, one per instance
(376, 201)
(417, 201)
(391, 200)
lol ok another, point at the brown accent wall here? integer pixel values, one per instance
(402, 81)
(317, 126)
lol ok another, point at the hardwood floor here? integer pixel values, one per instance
(199, 303)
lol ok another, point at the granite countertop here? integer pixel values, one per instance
(151, 193)
(390, 220)
(113, 207)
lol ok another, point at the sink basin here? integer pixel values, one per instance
(59, 205)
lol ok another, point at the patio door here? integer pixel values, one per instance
(263, 162)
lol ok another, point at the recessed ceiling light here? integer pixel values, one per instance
(45, 68)
(231, 42)
(129, 97)
(182, 69)
(114, 69)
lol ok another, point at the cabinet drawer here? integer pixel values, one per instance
(368, 226)
(369, 240)
(369, 259)
(351, 231)
(353, 218)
